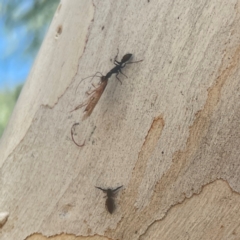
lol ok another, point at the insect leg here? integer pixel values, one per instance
(116, 57)
(118, 78)
(122, 73)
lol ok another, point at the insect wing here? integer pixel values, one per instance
(94, 98)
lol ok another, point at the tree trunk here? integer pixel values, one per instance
(169, 134)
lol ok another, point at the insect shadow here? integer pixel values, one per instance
(111, 193)
(98, 90)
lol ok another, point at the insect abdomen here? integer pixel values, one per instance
(110, 205)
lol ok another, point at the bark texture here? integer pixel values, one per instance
(170, 134)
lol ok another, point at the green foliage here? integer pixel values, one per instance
(7, 101)
(34, 15)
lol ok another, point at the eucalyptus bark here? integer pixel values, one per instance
(169, 133)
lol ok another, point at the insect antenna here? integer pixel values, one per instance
(115, 190)
(134, 62)
(104, 190)
(95, 75)
(79, 145)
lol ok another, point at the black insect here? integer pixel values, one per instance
(110, 204)
(98, 90)
(119, 65)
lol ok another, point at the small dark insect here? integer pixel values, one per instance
(119, 65)
(79, 145)
(110, 204)
(95, 95)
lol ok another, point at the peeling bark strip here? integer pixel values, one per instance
(150, 143)
(217, 197)
(64, 236)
